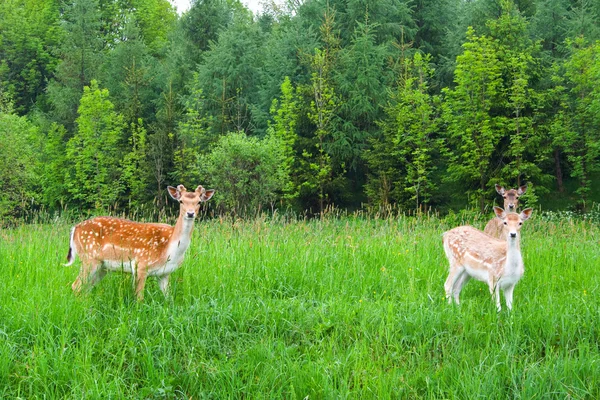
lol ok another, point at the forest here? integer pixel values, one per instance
(308, 105)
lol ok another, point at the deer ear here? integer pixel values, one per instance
(207, 195)
(499, 212)
(175, 193)
(500, 190)
(525, 214)
(522, 190)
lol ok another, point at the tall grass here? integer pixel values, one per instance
(272, 308)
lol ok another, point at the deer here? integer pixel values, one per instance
(475, 254)
(106, 244)
(511, 202)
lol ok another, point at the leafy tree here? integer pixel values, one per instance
(53, 167)
(516, 54)
(417, 125)
(18, 179)
(135, 177)
(582, 138)
(324, 106)
(285, 112)
(194, 138)
(472, 131)
(248, 171)
(94, 153)
(156, 20)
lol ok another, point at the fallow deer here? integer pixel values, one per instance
(511, 202)
(474, 254)
(141, 249)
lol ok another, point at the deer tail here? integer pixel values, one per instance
(72, 252)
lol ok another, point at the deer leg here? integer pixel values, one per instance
(495, 292)
(163, 283)
(96, 276)
(454, 274)
(86, 275)
(508, 296)
(141, 274)
(459, 284)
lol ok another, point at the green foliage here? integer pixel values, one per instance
(194, 138)
(135, 175)
(80, 60)
(18, 179)
(29, 31)
(249, 173)
(472, 126)
(53, 167)
(94, 153)
(416, 123)
(285, 112)
(516, 90)
(582, 135)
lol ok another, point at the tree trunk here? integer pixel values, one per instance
(559, 174)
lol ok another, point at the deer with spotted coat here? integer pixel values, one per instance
(142, 249)
(475, 254)
(511, 202)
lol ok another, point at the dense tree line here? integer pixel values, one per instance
(420, 104)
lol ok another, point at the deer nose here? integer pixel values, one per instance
(511, 206)
(191, 214)
(513, 234)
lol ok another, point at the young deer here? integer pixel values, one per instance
(511, 202)
(474, 254)
(141, 249)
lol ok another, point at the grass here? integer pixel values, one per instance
(337, 308)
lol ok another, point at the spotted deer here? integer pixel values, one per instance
(141, 249)
(511, 202)
(474, 254)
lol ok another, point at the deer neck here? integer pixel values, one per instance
(181, 236)
(513, 254)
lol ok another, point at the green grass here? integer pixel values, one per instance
(341, 308)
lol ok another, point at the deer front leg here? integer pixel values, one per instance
(508, 296)
(87, 274)
(163, 283)
(494, 291)
(141, 274)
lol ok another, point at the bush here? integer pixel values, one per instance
(17, 166)
(248, 173)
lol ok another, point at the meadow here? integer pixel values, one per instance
(342, 307)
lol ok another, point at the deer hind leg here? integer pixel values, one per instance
(453, 277)
(163, 283)
(459, 283)
(140, 281)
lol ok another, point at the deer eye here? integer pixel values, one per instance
(520, 223)
(505, 223)
(180, 201)
(504, 196)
